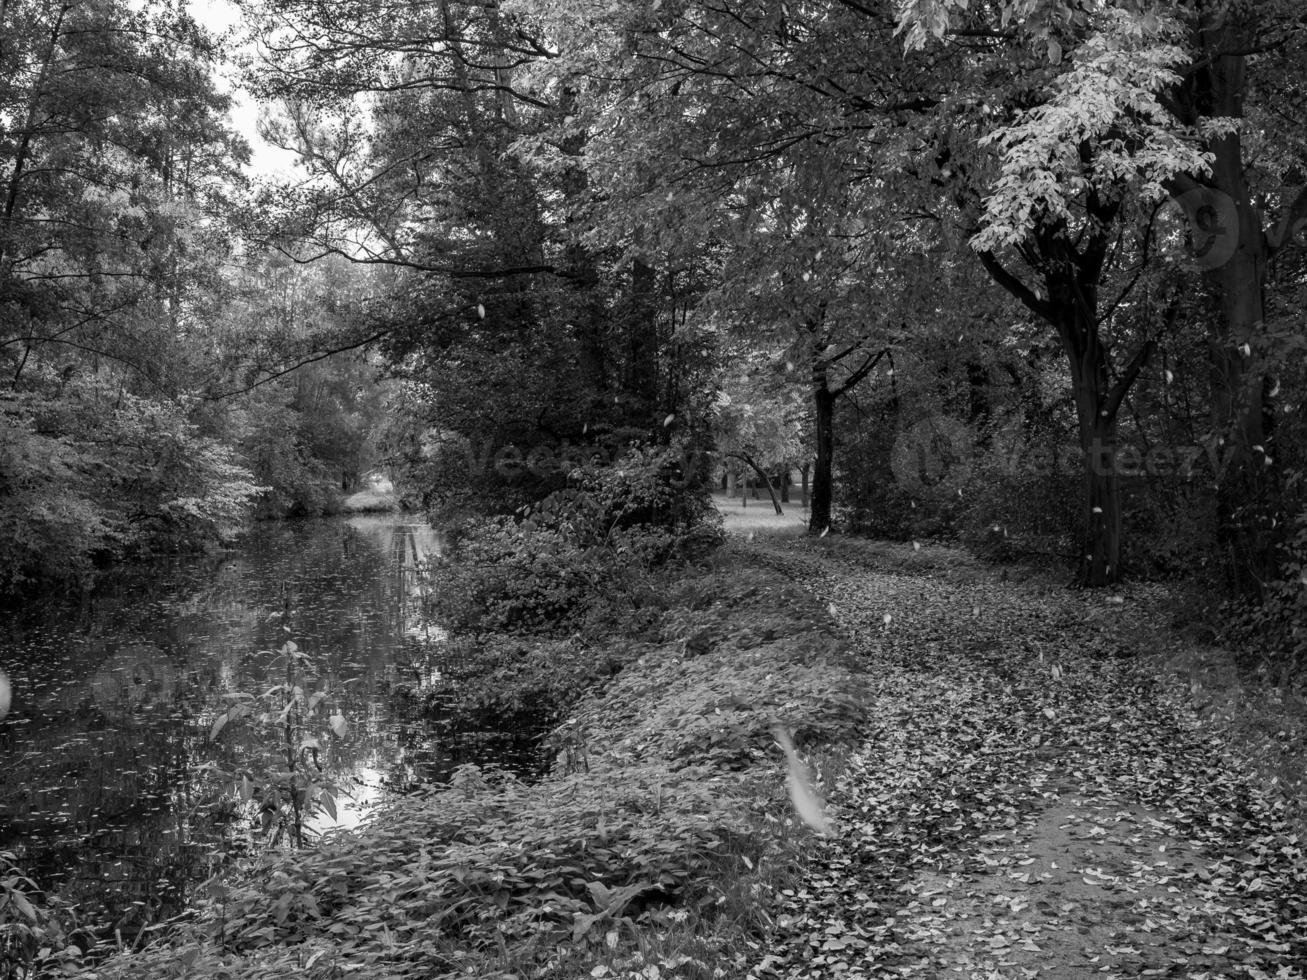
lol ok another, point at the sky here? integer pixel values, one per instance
(265, 160)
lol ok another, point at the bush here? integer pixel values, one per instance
(501, 576)
(655, 832)
(516, 684)
(96, 475)
(1024, 495)
(578, 552)
(1276, 625)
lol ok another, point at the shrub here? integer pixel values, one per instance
(581, 548)
(517, 684)
(1024, 495)
(97, 475)
(1275, 626)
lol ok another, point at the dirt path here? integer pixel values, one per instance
(1030, 802)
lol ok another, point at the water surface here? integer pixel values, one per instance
(110, 787)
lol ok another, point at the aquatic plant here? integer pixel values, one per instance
(290, 795)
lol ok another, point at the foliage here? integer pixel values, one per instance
(523, 685)
(1022, 495)
(653, 822)
(1273, 631)
(534, 604)
(32, 936)
(575, 549)
(286, 798)
(94, 473)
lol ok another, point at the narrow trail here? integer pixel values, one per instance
(1029, 800)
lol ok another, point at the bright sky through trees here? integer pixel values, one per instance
(266, 160)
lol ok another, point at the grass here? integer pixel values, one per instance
(760, 517)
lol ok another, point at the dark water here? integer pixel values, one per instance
(110, 787)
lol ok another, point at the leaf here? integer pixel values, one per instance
(23, 905)
(6, 695)
(669, 420)
(328, 803)
(339, 725)
(582, 924)
(219, 724)
(245, 788)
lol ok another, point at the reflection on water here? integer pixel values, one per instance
(105, 783)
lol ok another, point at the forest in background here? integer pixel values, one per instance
(1027, 275)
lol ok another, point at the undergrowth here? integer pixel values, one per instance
(659, 837)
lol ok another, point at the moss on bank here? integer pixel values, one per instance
(657, 839)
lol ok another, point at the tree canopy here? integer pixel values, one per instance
(940, 254)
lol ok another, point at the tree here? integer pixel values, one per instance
(1179, 130)
(759, 417)
(747, 133)
(115, 173)
(112, 157)
(522, 330)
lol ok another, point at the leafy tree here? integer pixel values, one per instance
(115, 172)
(523, 331)
(747, 133)
(760, 417)
(1084, 145)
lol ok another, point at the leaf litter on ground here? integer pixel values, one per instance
(1030, 798)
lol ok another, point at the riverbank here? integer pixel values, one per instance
(660, 835)
(1018, 780)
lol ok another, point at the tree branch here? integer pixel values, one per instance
(320, 356)
(1284, 233)
(1041, 308)
(1128, 376)
(863, 370)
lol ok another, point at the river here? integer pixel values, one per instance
(110, 785)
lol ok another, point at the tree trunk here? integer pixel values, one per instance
(1244, 493)
(803, 490)
(1096, 415)
(1100, 559)
(1071, 278)
(785, 480)
(1235, 251)
(824, 405)
(748, 461)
